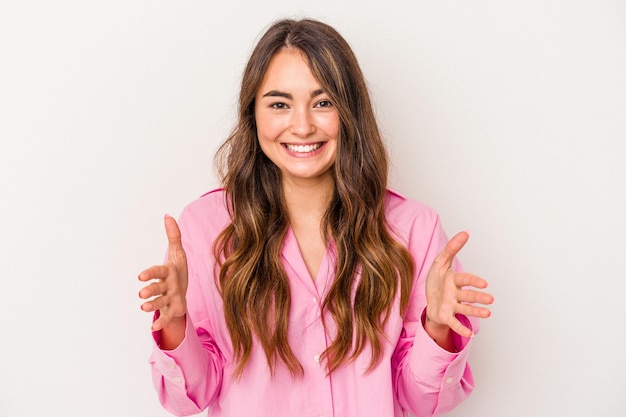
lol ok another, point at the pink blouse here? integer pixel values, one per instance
(415, 375)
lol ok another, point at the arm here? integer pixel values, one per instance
(430, 362)
(187, 378)
(186, 363)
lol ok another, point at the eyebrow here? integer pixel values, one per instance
(275, 93)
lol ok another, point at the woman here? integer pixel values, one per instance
(305, 287)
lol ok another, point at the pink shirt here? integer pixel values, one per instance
(415, 375)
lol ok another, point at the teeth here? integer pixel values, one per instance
(303, 148)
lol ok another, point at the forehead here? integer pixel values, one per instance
(289, 68)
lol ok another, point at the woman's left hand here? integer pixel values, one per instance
(449, 293)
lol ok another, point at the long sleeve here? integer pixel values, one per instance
(188, 378)
(415, 375)
(428, 379)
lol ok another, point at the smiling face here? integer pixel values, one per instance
(297, 124)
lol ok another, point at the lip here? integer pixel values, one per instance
(303, 154)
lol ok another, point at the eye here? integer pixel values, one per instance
(324, 104)
(278, 106)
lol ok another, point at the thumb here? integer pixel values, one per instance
(173, 233)
(453, 247)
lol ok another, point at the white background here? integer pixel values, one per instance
(507, 117)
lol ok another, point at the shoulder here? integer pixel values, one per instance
(213, 202)
(405, 216)
(401, 208)
(206, 216)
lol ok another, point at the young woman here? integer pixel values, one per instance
(304, 287)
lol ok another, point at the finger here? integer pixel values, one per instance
(473, 311)
(452, 248)
(458, 328)
(166, 316)
(465, 279)
(166, 304)
(469, 296)
(161, 322)
(154, 272)
(153, 290)
(156, 304)
(158, 324)
(173, 233)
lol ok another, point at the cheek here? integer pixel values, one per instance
(332, 126)
(268, 128)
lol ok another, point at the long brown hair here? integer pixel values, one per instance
(253, 283)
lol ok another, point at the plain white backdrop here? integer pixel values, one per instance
(507, 117)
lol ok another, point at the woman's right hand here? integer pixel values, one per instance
(168, 286)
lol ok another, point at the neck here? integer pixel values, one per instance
(308, 198)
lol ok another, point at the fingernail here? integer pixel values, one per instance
(468, 231)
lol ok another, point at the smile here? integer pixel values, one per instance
(303, 148)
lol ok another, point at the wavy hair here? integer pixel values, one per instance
(371, 266)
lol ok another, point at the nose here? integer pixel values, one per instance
(302, 123)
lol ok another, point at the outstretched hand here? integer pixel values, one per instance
(169, 281)
(449, 293)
